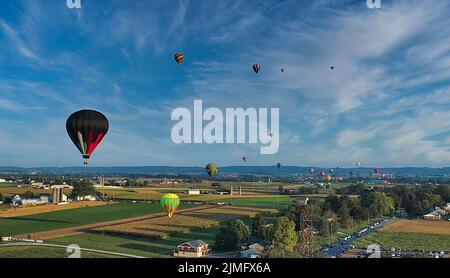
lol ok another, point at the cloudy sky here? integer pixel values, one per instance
(387, 103)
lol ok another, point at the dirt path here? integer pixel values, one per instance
(84, 228)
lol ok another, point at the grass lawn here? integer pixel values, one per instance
(409, 241)
(45, 252)
(74, 217)
(143, 246)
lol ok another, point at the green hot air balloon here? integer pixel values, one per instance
(170, 203)
(211, 169)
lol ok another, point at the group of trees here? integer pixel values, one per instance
(232, 236)
(82, 188)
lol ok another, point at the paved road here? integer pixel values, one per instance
(68, 254)
(345, 245)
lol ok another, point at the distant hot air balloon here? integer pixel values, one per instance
(87, 129)
(322, 174)
(256, 68)
(283, 69)
(211, 169)
(311, 171)
(179, 57)
(376, 171)
(279, 165)
(332, 67)
(328, 178)
(358, 164)
(331, 171)
(170, 203)
(244, 158)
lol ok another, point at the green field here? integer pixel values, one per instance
(25, 252)
(74, 217)
(144, 246)
(408, 241)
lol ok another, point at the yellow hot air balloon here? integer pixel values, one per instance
(328, 178)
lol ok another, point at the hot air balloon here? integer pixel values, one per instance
(328, 178)
(170, 203)
(87, 129)
(211, 169)
(244, 158)
(311, 171)
(322, 174)
(332, 67)
(279, 165)
(179, 57)
(376, 171)
(331, 171)
(256, 68)
(358, 164)
(283, 69)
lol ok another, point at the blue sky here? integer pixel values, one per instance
(386, 103)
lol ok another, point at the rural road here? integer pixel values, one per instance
(66, 247)
(45, 235)
(345, 245)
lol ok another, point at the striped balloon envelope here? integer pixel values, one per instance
(170, 203)
(179, 57)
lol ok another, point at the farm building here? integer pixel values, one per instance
(194, 191)
(192, 249)
(18, 201)
(303, 202)
(432, 216)
(254, 251)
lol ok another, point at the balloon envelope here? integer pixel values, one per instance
(211, 169)
(256, 68)
(86, 129)
(311, 170)
(279, 165)
(170, 203)
(179, 57)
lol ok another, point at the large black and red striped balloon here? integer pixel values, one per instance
(87, 129)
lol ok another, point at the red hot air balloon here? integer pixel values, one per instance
(376, 171)
(256, 68)
(87, 129)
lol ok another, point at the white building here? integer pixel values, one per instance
(194, 191)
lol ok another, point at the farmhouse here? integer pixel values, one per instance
(192, 249)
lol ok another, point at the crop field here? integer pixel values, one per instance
(419, 226)
(12, 252)
(162, 227)
(147, 247)
(74, 217)
(408, 241)
(11, 191)
(31, 210)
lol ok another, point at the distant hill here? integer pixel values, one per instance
(259, 170)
